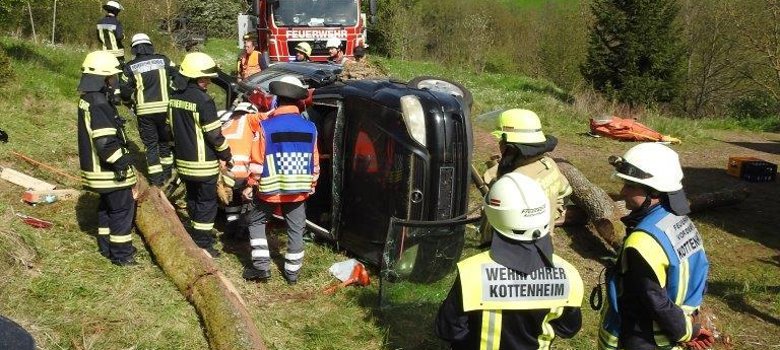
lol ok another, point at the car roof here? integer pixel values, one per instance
(314, 75)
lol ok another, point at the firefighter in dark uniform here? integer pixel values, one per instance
(110, 32)
(146, 81)
(198, 145)
(517, 295)
(290, 169)
(658, 282)
(106, 164)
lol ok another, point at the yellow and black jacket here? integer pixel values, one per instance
(103, 155)
(197, 134)
(492, 307)
(147, 79)
(110, 35)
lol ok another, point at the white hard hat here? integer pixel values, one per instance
(517, 208)
(333, 42)
(113, 5)
(140, 38)
(651, 164)
(245, 107)
(290, 87)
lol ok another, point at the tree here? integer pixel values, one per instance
(634, 51)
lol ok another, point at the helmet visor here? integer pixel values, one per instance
(628, 169)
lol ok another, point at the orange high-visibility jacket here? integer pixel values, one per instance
(242, 132)
(249, 64)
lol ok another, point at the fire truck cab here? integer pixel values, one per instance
(283, 24)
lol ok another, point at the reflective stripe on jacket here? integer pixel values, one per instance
(198, 141)
(672, 246)
(110, 35)
(149, 76)
(242, 134)
(102, 142)
(492, 289)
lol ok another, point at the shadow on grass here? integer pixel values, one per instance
(771, 147)
(753, 219)
(551, 90)
(585, 243)
(408, 325)
(22, 52)
(737, 298)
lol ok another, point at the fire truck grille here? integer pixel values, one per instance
(446, 187)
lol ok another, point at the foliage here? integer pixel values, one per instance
(634, 52)
(757, 105)
(6, 72)
(216, 17)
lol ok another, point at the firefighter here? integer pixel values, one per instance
(523, 146)
(199, 146)
(249, 62)
(241, 131)
(302, 52)
(106, 163)
(336, 54)
(288, 149)
(146, 82)
(110, 33)
(517, 295)
(659, 279)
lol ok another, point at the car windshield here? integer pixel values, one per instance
(316, 13)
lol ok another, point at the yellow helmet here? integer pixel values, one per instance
(519, 126)
(100, 63)
(304, 48)
(197, 65)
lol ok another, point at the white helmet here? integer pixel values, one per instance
(140, 38)
(245, 107)
(333, 42)
(651, 164)
(113, 6)
(517, 207)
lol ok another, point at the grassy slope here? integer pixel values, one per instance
(54, 283)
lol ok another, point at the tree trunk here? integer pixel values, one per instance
(225, 317)
(599, 208)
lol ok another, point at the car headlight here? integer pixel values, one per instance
(414, 117)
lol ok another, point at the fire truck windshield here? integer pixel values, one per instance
(316, 13)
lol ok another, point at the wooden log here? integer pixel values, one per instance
(596, 203)
(24, 180)
(47, 167)
(227, 322)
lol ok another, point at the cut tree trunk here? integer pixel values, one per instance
(599, 208)
(226, 320)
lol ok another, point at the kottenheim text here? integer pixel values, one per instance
(500, 283)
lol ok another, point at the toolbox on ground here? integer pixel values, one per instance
(752, 169)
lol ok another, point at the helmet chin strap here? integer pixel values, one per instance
(646, 203)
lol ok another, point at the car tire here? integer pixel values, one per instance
(425, 81)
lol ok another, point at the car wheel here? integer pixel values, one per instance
(443, 85)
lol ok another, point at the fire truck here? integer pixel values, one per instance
(283, 24)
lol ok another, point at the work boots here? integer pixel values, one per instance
(253, 274)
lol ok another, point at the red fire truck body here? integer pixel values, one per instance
(283, 24)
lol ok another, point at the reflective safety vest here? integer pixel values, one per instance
(97, 119)
(491, 288)
(107, 32)
(242, 134)
(684, 275)
(289, 155)
(249, 64)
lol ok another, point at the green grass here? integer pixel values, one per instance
(55, 284)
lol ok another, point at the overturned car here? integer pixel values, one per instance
(395, 165)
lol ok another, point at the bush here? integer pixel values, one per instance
(757, 105)
(6, 72)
